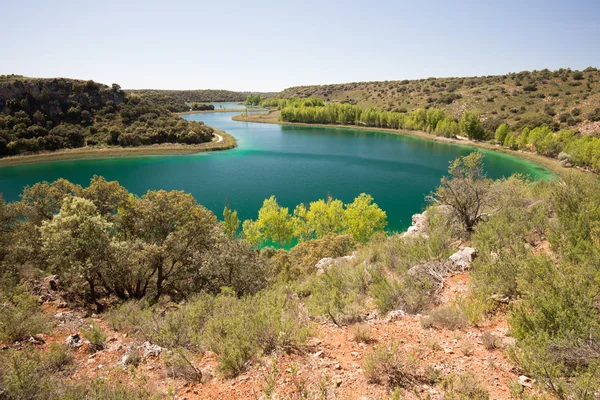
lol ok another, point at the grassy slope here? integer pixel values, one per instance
(504, 97)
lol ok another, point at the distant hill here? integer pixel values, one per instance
(562, 98)
(199, 96)
(49, 114)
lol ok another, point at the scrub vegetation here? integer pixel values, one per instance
(560, 99)
(163, 269)
(52, 114)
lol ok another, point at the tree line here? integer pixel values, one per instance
(570, 147)
(275, 224)
(160, 243)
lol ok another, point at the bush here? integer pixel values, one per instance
(385, 365)
(463, 387)
(20, 315)
(340, 293)
(96, 337)
(179, 364)
(240, 329)
(58, 357)
(594, 116)
(361, 334)
(22, 376)
(450, 317)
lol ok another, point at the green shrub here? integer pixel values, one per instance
(449, 317)
(340, 294)
(20, 315)
(58, 357)
(133, 317)
(240, 329)
(361, 333)
(100, 389)
(464, 387)
(594, 115)
(96, 337)
(179, 364)
(22, 376)
(385, 365)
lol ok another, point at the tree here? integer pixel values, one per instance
(181, 230)
(325, 217)
(76, 241)
(302, 229)
(466, 191)
(251, 233)
(363, 218)
(231, 222)
(105, 195)
(43, 200)
(275, 222)
(501, 133)
(471, 125)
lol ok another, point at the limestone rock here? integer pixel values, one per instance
(463, 258)
(151, 350)
(394, 315)
(325, 263)
(418, 226)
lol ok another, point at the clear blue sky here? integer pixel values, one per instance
(270, 45)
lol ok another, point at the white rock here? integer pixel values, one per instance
(150, 349)
(394, 315)
(463, 258)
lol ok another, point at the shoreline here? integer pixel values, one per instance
(549, 163)
(221, 110)
(224, 142)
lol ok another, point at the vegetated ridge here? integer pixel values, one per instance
(178, 100)
(52, 114)
(572, 137)
(561, 98)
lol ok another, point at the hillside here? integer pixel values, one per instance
(199, 96)
(52, 114)
(563, 98)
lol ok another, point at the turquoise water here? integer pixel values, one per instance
(297, 164)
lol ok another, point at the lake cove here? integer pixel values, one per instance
(296, 164)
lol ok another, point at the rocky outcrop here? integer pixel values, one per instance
(418, 225)
(325, 263)
(463, 258)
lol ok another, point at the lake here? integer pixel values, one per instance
(296, 164)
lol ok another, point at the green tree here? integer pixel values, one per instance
(363, 218)
(275, 222)
(231, 222)
(251, 233)
(466, 191)
(471, 125)
(76, 242)
(325, 217)
(501, 133)
(180, 230)
(105, 195)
